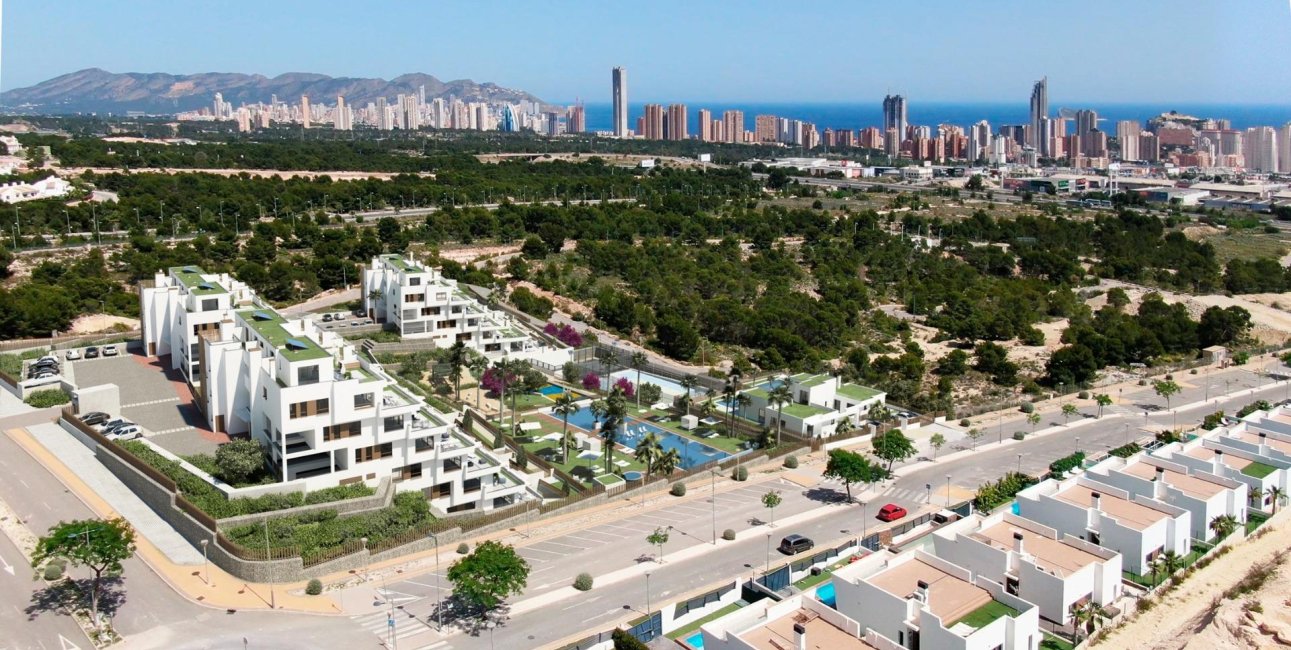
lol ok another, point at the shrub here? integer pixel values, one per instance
(1125, 451)
(993, 495)
(325, 532)
(43, 399)
(1027, 407)
(740, 473)
(1067, 463)
(1193, 371)
(623, 640)
(1019, 435)
(1084, 394)
(463, 548)
(678, 489)
(964, 422)
(53, 571)
(728, 535)
(314, 587)
(238, 461)
(583, 582)
(791, 462)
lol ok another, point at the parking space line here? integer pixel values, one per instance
(578, 548)
(150, 403)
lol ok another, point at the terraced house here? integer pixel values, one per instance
(324, 415)
(418, 302)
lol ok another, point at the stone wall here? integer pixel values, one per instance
(383, 497)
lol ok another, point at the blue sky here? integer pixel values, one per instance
(1211, 51)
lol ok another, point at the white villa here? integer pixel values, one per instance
(820, 402)
(49, 188)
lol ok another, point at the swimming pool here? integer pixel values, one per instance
(825, 594)
(551, 390)
(693, 454)
(667, 386)
(696, 640)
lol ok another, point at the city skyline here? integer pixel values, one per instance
(1222, 63)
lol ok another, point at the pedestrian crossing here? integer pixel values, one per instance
(405, 627)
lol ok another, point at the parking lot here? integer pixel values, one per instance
(153, 397)
(351, 324)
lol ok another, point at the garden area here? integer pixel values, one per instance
(212, 501)
(323, 532)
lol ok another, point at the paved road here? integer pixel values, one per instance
(37, 629)
(151, 614)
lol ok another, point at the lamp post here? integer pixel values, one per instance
(1019, 470)
(206, 562)
(268, 552)
(367, 559)
(865, 520)
(948, 490)
(768, 552)
(647, 575)
(1077, 444)
(713, 486)
(439, 601)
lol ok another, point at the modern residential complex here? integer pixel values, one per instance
(819, 403)
(324, 414)
(418, 302)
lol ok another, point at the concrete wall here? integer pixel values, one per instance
(383, 497)
(105, 398)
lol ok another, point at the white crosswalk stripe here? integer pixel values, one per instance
(150, 403)
(379, 624)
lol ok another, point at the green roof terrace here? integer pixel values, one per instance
(270, 325)
(191, 278)
(402, 264)
(804, 411)
(809, 380)
(858, 392)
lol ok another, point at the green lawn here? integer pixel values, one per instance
(687, 630)
(1254, 520)
(986, 614)
(529, 402)
(1258, 470)
(549, 450)
(1052, 642)
(811, 581)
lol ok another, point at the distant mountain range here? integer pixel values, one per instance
(98, 91)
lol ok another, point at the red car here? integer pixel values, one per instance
(892, 512)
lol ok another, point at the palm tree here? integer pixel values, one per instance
(689, 383)
(741, 401)
(705, 409)
(1102, 400)
(638, 361)
(565, 407)
(1223, 526)
(457, 359)
(1275, 494)
(1170, 562)
(778, 397)
(615, 410)
(1086, 617)
(478, 364)
(667, 462)
(648, 451)
(844, 427)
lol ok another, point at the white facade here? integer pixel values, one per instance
(1138, 528)
(419, 303)
(1236, 455)
(324, 415)
(52, 187)
(918, 600)
(1204, 495)
(820, 402)
(1033, 562)
(795, 622)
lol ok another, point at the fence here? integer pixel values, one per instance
(67, 340)
(120, 452)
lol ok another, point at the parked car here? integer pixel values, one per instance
(95, 417)
(795, 544)
(327, 318)
(110, 351)
(45, 363)
(354, 324)
(892, 512)
(340, 316)
(73, 354)
(127, 432)
(113, 425)
(49, 358)
(91, 352)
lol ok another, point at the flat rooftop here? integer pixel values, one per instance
(804, 410)
(778, 634)
(191, 278)
(271, 326)
(1254, 437)
(858, 392)
(398, 262)
(949, 598)
(1190, 485)
(1134, 515)
(1229, 460)
(810, 380)
(1054, 556)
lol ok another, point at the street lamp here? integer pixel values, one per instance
(647, 575)
(768, 552)
(1077, 444)
(439, 601)
(713, 500)
(1019, 471)
(948, 490)
(206, 561)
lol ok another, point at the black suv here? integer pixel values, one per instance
(795, 544)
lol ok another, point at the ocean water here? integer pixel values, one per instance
(858, 116)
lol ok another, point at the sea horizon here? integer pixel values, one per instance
(858, 115)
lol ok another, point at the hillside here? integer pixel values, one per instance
(99, 91)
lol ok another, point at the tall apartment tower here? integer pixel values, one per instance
(979, 140)
(619, 77)
(765, 128)
(894, 119)
(1127, 134)
(1086, 121)
(705, 125)
(677, 119)
(304, 110)
(341, 121)
(733, 125)
(652, 123)
(576, 119)
(1039, 109)
(1260, 147)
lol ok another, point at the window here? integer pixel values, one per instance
(363, 401)
(339, 431)
(414, 297)
(409, 471)
(393, 423)
(205, 327)
(210, 304)
(365, 454)
(307, 375)
(414, 282)
(430, 311)
(441, 490)
(308, 408)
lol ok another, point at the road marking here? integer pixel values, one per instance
(66, 644)
(175, 430)
(8, 568)
(577, 548)
(156, 401)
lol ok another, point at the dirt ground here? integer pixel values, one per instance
(91, 323)
(1269, 315)
(1196, 617)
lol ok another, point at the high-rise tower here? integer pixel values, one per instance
(894, 119)
(619, 78)
(1039, 109)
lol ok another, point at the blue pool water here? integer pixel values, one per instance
(551, 390)
(667, 386)
(1016, 509)
(696, 640)
(825, 594)
(693, 454)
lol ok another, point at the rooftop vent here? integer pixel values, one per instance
(205, 285)
(191, 269)
(297, 344)
(262, 315)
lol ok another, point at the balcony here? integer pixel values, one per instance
(296, 443)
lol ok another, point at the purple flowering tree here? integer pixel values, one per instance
(592, 381)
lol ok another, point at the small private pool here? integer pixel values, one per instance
(696, 641)
(1016, 510)
(825, 594)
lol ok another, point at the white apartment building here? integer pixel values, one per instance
(1138, 528)
(795, 622)
(917, 600)
(419, 302)
(324, 415)
(1220, 456)
(48, 188)
(820, 402)
(1033, 562)
(1204, 495)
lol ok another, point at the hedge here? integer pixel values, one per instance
(43, 399)
(324, 530)
(1067, 463)
(1125, 451)
(993, 495)
(211, 500)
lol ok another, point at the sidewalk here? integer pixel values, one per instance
(222, 592)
